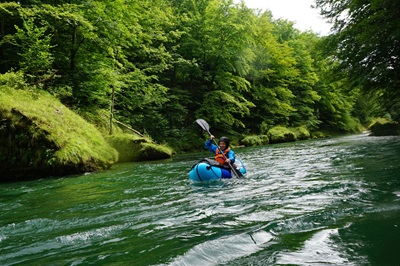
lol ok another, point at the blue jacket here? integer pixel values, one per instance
(213, 148)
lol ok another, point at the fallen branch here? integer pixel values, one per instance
(131, 129)
(128, 127)
(44, 79)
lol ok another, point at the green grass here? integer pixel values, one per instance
(49, 134)
(134, 148)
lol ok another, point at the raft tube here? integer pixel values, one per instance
(209, 170)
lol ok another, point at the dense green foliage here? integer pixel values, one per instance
(255, 140)
(366, 49)
(171, 62)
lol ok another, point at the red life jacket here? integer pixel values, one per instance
(219, 157)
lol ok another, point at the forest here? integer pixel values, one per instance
(157, 65)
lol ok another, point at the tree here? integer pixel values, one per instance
(214, 49)
(148, 35)
(35, 54)
(270, 73)
(366, 45)
(302, 81)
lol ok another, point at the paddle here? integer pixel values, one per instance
(204, 125)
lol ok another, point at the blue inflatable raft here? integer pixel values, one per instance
(209, 170)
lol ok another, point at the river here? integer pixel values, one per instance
(333, 201)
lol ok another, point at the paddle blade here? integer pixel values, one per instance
(204, 125)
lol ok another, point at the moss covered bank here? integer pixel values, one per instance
(40, 137)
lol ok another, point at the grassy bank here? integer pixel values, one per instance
(41, 137)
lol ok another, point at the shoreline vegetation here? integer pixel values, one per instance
(40, 137)
(87, 84)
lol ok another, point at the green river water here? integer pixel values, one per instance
(332, 201)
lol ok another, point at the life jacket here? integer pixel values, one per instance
(219, 157)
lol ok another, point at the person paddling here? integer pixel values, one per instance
(225, 156)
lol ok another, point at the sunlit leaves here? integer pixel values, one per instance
(35, 50)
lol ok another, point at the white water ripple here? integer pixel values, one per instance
(223, 249)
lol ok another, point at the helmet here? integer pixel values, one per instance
(224, 139)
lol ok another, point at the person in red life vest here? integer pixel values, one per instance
(224, 145)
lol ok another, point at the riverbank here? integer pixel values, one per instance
(41, 137)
